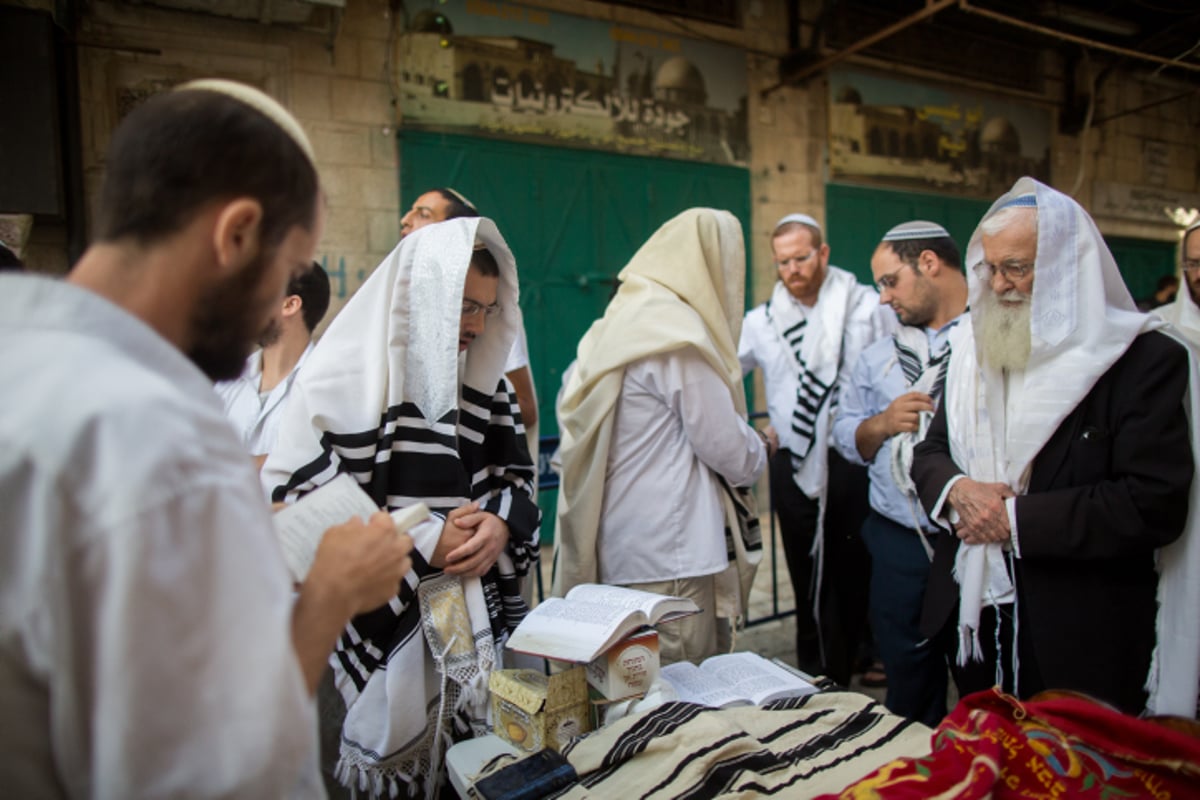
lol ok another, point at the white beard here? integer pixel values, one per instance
(1004, 331)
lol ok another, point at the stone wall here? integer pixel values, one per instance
(337, 76)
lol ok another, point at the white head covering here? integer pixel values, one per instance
(803, 219)
(259, 101)
(1182, 312)
(1082, 317)
(396, 341)
(916, 229)
(682, 288)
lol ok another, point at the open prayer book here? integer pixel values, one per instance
(591, 619)
(734, 679)
(301, 525)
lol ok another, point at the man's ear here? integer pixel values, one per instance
(236, 234)
(292, 305)
(927, 262)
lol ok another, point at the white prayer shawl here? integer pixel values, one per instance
(683, 288)
(819, 357)
(1183, 314)
(1082, 319)
(923, 372)
(380, 398)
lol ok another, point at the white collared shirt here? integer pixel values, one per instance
(145, 611)
(674, 426)
(255, 418)
(760, 346)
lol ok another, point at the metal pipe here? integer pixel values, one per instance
(963, 5)
(931, 8)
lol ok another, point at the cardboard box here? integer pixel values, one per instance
(533, 711)
(627, 668)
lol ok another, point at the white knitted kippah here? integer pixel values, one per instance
(261, 102)
(917, 229)
(803, 219)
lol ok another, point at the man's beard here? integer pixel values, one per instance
(228, 322)
(1005, 336)
(271, 334)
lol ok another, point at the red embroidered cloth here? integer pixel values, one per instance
(995, 746)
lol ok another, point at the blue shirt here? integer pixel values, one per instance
(877, 380)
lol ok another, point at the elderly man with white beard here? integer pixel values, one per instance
(1062, 459)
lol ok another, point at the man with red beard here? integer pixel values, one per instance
(806, 339)
(151, 643)
(1062, 460)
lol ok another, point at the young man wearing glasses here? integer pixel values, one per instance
(885, 411)
(806, 338)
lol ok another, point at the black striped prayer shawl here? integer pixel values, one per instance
(481, 455)
(811, 392)
(795, 748)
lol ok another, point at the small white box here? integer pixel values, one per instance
(627, 668)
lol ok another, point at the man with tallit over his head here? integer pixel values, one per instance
(1062, 459)
(655, 441)
(1184, 311)
(406, 392)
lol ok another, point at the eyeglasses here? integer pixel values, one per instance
(472, 307)
(889, 281)
(1011, 270)
(795, 261)
(1191, 264)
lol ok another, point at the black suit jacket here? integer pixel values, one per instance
(1108, 488)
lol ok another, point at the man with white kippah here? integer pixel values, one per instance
(883, 413)
(1184, 311)
(806, 338)
(1062, 459)
(151, 642)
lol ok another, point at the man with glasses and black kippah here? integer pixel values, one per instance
(1062, 460)
(806, 338)
(1184, 311)
(883, 413)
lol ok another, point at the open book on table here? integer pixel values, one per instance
(301, 525)
(734, 679)
(591, 619)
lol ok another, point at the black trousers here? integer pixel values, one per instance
(847, 569)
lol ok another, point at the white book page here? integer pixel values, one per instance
(693, 685)
(755, 677)
(620, 597)
(301, 525)
(570, 630)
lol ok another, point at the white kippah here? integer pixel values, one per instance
(459, 196)
(803, 219)
(261, 102)
(917, 229)
(1194, 226)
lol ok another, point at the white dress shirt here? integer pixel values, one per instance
(760, 346)
(145, 611)
(675, 425)
(254, 417)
